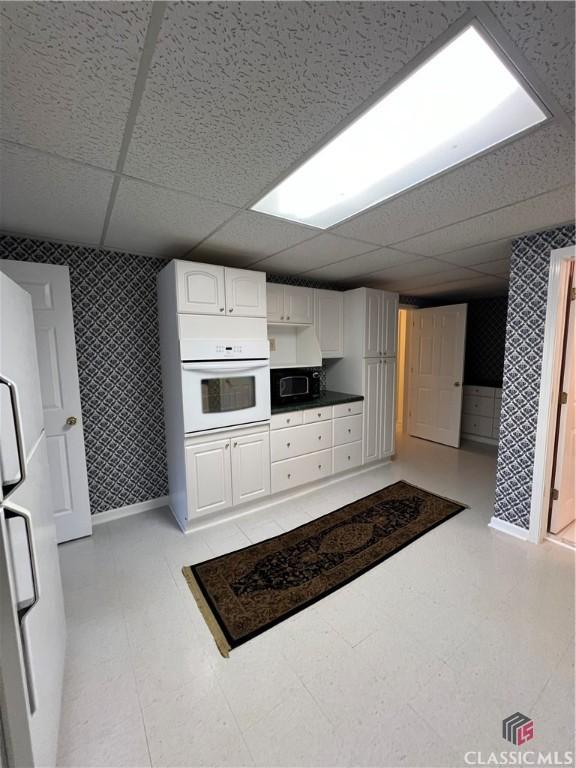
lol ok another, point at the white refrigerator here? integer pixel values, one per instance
(32, 625)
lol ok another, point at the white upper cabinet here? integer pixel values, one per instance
(389, 324)
(329, 322)
(290, 304)
(206, 289)
(373, 323)
(299, 304)
(245, 292)
(200, 288)
(275, 302)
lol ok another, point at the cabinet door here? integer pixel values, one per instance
(275, 302)
(200, 288)
(373, 323)
(372, 401)
(245, 292)
(389, 323)
(329, 322)
(299, 304)
(208, 477)
(250, 467)
(388, 408)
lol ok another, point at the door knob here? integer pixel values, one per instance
(71, 420)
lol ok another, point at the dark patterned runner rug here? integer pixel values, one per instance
(243, 593)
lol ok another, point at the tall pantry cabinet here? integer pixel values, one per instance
(368, 367)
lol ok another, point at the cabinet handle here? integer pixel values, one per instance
(319, 466)
(287, 421)
(319, 437)
(456, 383)
(288, 318)
(221, 309)
(348, 458)
(349, 410)
(227, 445)
(282, 318)
(349, 431)
(289, 475)
(231, 309)
(287, 445)
(319, 415)
(235, 445)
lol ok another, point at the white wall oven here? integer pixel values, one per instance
(229, 389)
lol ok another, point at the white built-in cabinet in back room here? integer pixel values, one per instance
(329, 322)
(290, 304)
(379, 407)
(231, 470)
(207, 289)
(381, 323)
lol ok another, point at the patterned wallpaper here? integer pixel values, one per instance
(116, 329)
(522, 370)
(485, 341)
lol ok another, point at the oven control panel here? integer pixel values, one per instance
(229, 350)
(222, 349)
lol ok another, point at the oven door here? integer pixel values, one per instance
(224, 393)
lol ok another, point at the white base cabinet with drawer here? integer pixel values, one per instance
(481, 413)
(300, 470)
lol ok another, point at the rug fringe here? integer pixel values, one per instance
(221, 642)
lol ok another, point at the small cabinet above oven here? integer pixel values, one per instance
(208, 289)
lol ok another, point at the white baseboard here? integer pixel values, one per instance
(479, 439)
(131, 509)
(509, 528)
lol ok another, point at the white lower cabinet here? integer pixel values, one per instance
(226, 472)
(347, 429)
(347, 456)
(388, 408)
(303, 469)
(250, 467)
(481, 413)
(296, 441)
(379, 408)
(208, 477)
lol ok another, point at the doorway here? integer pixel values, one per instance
(562, 513)
(49, 288)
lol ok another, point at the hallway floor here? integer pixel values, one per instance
(415, 663)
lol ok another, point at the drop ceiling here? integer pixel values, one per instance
(152, 128)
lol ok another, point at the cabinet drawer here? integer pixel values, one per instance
(286, 443)
(478, 406)
(291, 419)
(478, 391)
(477, 425)
(347, 429)
(348, 409)
(303, 469)
(318, 414)
(347, 456)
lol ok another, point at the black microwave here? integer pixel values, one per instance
(293, 385)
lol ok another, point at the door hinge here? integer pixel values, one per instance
(563, 398)
(573, 293)
(555, 494)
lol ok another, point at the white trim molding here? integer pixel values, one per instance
(509, 528)
(558, 279)
(131, 509)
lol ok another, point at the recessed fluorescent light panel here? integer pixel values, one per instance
(460, 102)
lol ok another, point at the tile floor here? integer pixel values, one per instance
(414, 664)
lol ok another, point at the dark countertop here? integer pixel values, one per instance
(326, 398)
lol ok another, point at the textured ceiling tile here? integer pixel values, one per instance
(412, 269)
(407, 284)
(500, 267)
(159, 222)
(550, 50)
(480, 286)
(239, 91)
(68, 72)
(322, 250)
(44, 196)
(480, 254)
(249, 236)
(529, 216)
(362, 265)
(541, 161)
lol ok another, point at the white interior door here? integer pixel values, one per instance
(564, 507)
(49, 287)
(437, 346)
